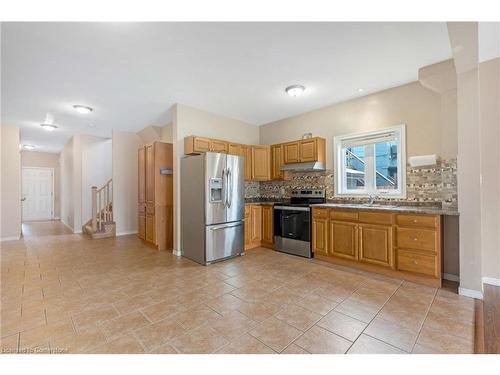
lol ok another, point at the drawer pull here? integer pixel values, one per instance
(415, 239)
(415, 262)
(415, 220)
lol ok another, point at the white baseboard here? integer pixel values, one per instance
(451, 277)
(56, 218)
(491, 281)
(13, 238)
(177, 252)
(126, 233)
(470, 293)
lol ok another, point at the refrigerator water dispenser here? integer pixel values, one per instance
(215, 185)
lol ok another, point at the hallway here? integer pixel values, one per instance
(44, 228)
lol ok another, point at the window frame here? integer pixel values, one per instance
(340, 182)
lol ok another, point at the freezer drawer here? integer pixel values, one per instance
(224, 241)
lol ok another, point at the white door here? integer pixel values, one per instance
(37, 193)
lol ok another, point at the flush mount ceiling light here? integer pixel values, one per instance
(361, 89)
(295, 90)
(49, 127)
(28, 147)
(82, 109)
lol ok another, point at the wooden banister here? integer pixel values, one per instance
(102, 205)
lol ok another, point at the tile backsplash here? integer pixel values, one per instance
(435, 186)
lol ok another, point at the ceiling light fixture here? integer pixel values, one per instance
(82, 109)
(361, 90)
(28, 147)
(48, 127)
(295, 90)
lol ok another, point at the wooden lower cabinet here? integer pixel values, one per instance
(375, 245)
(256, 220)
(320, 236)
(268, 226)
(248, 227)
(343, 239)
(259, 226)
(398, 245)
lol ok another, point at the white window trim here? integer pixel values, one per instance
(339, 165)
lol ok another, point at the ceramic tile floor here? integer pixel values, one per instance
(69, 294)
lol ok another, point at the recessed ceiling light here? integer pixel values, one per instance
(295, 90)
(28, 147)
(82, 109)
(361, 90)
(49, 127)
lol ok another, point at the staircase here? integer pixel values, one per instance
(101, 225)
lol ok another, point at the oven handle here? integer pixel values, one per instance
(287, 208)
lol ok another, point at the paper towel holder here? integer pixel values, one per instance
(423, 160)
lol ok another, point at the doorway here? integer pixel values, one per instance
(38, 194)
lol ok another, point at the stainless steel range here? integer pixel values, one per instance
(292, 222)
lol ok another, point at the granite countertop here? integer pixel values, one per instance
(433, 210)
(264, 202)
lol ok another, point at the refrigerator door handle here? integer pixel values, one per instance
(224, 188)
(230, 187)
(226, 226)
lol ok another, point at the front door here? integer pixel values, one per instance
(37, 193)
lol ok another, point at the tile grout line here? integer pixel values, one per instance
(425, 318)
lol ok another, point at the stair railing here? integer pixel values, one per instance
(102, 205)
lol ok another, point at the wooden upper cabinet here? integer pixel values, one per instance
(196, 145)
(343, 241)
(150, 174)
(246, 152)
(142, 175)
(261, 163)
(268, 224)
(291, 152)
(276, 162)
(234, 149)
(218, 146)
(375, 244)
(309, 150)
(304, 151)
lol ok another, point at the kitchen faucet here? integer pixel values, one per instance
(372, 199)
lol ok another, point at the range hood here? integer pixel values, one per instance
(304, 167)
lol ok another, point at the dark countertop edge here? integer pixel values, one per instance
(402, 208)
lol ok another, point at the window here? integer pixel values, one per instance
(372, 163)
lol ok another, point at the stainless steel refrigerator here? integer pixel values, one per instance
(212, 207)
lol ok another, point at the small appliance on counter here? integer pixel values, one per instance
(292, 222)
(212, 207)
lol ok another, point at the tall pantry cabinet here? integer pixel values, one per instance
(155, 194)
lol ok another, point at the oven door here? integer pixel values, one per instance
(292, 230)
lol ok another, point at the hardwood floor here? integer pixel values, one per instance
(491, 317)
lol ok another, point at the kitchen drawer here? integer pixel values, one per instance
(416, 262)
(422, 221)
(416, 238)
(375, 217)
(344, 215)
(320, 213)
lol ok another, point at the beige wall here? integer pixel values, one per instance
(191, 121)
(46, 160)
(489, 109)
(166, 133)
(11, 183)
(150, 134)
(125, 167)
(66, 169)
(412, 104)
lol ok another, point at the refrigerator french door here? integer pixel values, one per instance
(212, 207)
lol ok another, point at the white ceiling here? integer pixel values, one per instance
(131, 73)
